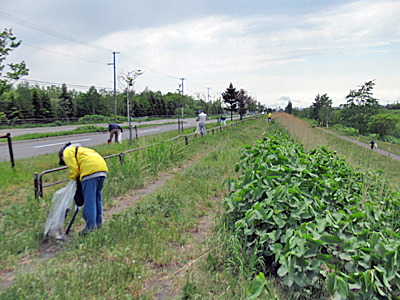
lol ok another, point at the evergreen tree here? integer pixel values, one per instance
(46, 105)
(65, 103)
(37, 108)
(12, 111)
(152, 105)
(23, 100)
(229, 97)
(288, 108)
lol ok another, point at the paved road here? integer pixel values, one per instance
(380, 151)
(29, 148)
(20, 131)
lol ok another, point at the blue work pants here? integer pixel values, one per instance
(93, 207)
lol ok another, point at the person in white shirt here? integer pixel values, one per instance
(202, 122)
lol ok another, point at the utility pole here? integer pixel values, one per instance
(183, 97)
(208, 100)
(115, 86)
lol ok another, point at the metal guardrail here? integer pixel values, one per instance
(38, 179)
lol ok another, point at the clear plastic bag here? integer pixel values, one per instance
(120, 138)
(61, 202)
(197, 128)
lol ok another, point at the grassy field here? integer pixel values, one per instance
(170, 244)
(355, 155)
(159, 234)
(392, 148)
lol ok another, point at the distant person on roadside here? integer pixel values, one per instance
(269, 117)
(202, 122)
(114, 128)
(223, 120)
(92, 170)
(372, 144)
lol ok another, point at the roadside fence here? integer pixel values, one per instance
(179, 139)
(8, 137)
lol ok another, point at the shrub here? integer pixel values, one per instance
(345, 129)
(91, 128)
(93, 119)
(390, 139)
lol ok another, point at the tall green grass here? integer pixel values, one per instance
(133, 252)
(354, 154)
(144, 242)
(22, 217)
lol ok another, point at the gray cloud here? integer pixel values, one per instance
(271, 48)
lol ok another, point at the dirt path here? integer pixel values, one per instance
(378, 150)
(165, 288)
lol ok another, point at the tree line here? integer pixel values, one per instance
(35, 102)
(24, 101)
(362, 112)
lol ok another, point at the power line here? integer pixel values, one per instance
(157, 72)
(200, 86)
(63, 54)
(148, 68)
(50, 32)
(56, 83)
(77, 41)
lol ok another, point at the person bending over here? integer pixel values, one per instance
(114, 128)
(92, 170)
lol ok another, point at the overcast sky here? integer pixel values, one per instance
(276, 50)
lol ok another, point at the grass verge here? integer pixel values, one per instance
(160, 248)
(355, 155)
(142, 238)
(79, 130)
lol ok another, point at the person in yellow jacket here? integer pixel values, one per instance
(92, 170)
(269, 117)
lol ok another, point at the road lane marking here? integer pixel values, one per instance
(49, 145)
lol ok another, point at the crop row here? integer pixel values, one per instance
(324, 227)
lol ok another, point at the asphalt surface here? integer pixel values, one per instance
(20, 131)
(378, 150)
(29, 148)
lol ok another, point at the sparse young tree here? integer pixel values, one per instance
(8, 43)
(244, 102)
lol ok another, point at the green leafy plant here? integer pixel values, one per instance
(258, 286)
(318, 220)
